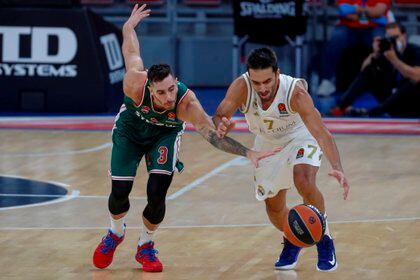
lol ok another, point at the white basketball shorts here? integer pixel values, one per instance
(275, 173)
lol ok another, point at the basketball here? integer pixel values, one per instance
(304, 226)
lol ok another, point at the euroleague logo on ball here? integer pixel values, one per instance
(311, 220)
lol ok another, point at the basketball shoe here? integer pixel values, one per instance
(288, 257)
(146, 256)
(104, 253)
(326, 255)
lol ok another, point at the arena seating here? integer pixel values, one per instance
(96, 2)
(202, 2)
(148, 2)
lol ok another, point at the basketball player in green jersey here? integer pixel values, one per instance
(150, 123)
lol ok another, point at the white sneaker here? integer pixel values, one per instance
(326, 88)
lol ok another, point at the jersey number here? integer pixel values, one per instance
(163, 151)
(314, 148)
(269, 123)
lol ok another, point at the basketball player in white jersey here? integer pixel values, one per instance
(280, 112)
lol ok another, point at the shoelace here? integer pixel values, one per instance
(150, 253)
(109, 244)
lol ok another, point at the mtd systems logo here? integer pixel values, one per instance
(37, 51)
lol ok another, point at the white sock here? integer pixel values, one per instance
(146, 235)
(327, 230)
(117, 226)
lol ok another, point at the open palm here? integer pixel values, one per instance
(341, 178)
(137, 15)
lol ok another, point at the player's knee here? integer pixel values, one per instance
(118, 201)
(155, 209)
(276, 212)
(154, 214)
(305, 184)
(157, 187)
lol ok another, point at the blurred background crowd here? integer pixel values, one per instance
(360, 57)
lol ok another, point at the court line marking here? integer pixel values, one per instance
(57, 195)
(400, 219)
(197, 182)
(188, 187)
(74, 193)
(62, 153)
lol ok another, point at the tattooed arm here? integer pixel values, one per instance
(190, 110)
(226, 144)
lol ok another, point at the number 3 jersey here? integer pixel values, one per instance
(279, 124)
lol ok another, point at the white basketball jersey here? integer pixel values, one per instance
(278, 124)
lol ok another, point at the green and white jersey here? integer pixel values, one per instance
(142, 123)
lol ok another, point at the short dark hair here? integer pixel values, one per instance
(396, 25)
(158, 72)
(262, 58)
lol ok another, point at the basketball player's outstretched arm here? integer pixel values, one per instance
(235, 97)
(301, 103)
(190, 110)
(135, 75)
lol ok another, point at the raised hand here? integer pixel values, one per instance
(224, 127)
(137, 15)
(341, 178)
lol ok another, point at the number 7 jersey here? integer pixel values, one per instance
(279, 124)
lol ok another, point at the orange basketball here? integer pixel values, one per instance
(304, 226)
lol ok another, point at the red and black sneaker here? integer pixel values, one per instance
(146, 256)
(104, 253)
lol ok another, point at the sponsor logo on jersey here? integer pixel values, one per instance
(153, 120)
(282, 108)
(145, 109)
(171, 116)
(300, 153)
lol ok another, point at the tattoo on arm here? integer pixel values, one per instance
(225, 144)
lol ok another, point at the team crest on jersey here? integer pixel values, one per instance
(282, 108)
(145, 109)
(300, 153)
(171, 116)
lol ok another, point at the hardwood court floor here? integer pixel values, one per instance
(216, 229)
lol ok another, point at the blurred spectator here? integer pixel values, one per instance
(359, 22)
(391, 73)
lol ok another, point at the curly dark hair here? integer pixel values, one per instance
(262, 58)
(158, 72)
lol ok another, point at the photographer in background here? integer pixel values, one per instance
(391, 73)
(359, 22)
